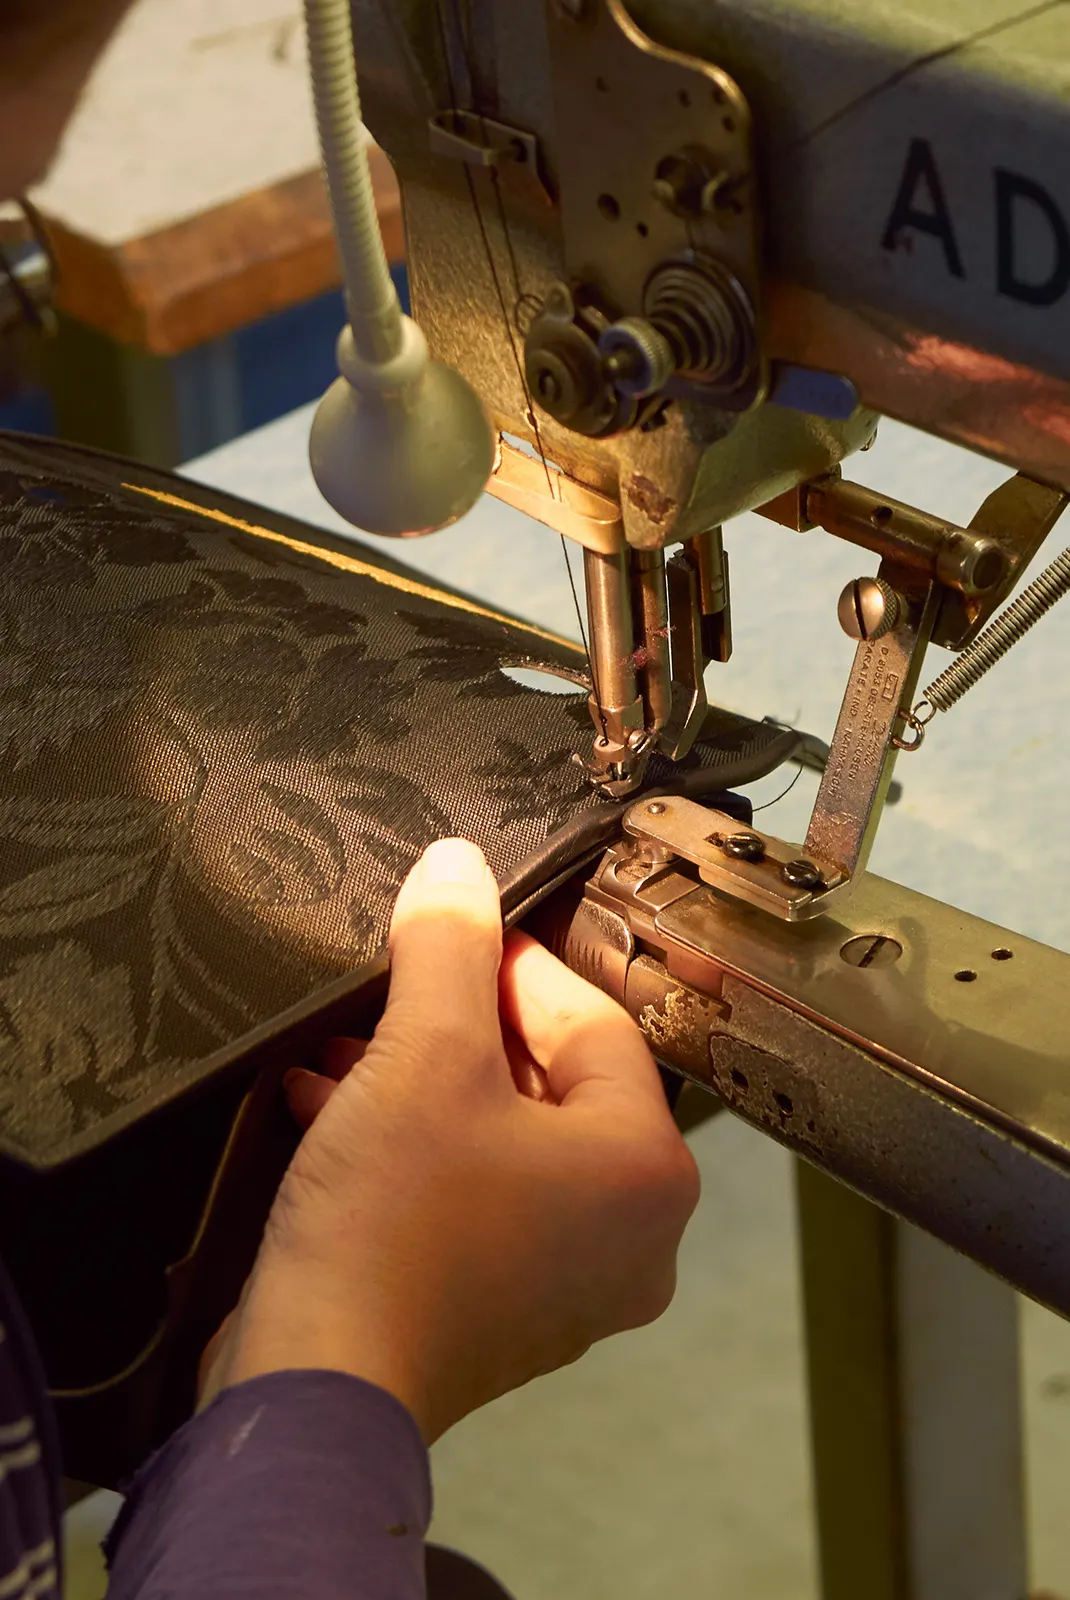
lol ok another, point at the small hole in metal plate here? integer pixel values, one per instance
(1002, 954)
(785, 1104)
(601, 85)
(609, 207)
(728, 124)
(684, 98)
(641, 229)
(719, 96)
(965, 975)
(881, 516)
(740, 1079)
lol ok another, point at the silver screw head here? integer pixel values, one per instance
(656, 808)
(868, 609)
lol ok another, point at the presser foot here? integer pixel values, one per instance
(617, 767)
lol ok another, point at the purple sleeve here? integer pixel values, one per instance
(297, 1483)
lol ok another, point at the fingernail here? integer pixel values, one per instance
(452, 861)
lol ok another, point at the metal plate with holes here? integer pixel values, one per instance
(616, 230)
(953, 1000)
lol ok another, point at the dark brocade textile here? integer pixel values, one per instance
(225, 736)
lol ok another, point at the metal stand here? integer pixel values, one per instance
(914, 1405)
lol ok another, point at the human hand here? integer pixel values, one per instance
(495, 1183)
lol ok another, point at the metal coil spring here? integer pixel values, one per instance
(997, 638)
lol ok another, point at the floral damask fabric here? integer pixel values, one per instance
(224, 739)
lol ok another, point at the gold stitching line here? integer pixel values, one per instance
(362, 569)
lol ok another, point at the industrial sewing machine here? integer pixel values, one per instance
(686, 253)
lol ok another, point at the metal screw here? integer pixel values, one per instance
(655, 808)
(868, 609)
(744, 846)
(871, 950)
(801, 874)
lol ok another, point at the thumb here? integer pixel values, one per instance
(446, 945)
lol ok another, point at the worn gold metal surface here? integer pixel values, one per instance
(540, 490)
(977, 566)
(917, 1053)
(704, 837)
(619, 218)
(884, 676)
(964, 1004)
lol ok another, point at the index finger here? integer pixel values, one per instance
(586, 1043)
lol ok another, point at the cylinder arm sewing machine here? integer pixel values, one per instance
(681, 256)
(686, 253)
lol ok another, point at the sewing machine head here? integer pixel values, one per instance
(686, 253)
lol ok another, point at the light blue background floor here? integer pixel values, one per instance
(673, 1461)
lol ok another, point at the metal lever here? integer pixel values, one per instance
(765, 871)
(880, 691)
(689, 701)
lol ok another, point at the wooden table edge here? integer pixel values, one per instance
(211, 274)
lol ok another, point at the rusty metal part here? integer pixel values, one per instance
(676, 1019)
(689, 701)
(977, 566)
(880, 690)
(715, 599)
(693, 833)
(651, 610)
(944, 1101)
(616, 706)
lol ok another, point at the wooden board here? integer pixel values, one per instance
(206, 276)
(185, 202)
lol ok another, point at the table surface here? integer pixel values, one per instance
(193, 104)
(186, 201)
(981, 822)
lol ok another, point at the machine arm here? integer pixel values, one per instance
(912, 1051)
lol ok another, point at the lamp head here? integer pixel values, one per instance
(401, 448)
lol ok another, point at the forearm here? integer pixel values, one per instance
(311, 1483)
